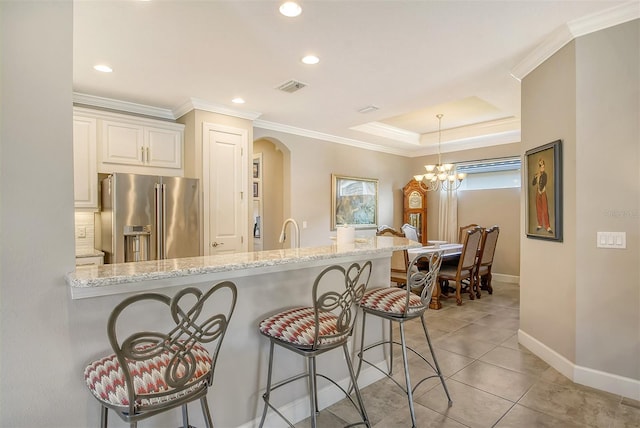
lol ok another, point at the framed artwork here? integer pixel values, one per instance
(257, 166)
(543, 176)
(354, 202)
(256, 189)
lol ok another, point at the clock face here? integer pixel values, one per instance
(415, 200)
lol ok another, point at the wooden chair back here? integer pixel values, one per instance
(463, 230)
(399, 259)
(488, 246)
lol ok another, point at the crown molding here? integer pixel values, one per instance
(464, 133)
(126, 106)
(199, 104)
(576, 28)
(472, 142)
(330, 138)
(391, 132)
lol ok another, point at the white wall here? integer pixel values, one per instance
(608, 133)
(312, 163)
(41, 378)
(580, 305)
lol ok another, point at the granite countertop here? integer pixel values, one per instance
(125, 273)
(89, 253)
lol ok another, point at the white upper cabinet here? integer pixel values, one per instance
(141, 142)
(85, 174)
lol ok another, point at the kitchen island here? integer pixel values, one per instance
(267, 282)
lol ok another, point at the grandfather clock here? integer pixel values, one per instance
(415, 209)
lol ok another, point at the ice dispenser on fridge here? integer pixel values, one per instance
(136, 243)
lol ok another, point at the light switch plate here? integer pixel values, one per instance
(611, 240)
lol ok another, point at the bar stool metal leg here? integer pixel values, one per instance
(435, 361)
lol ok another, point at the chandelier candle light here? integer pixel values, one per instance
(440, 176)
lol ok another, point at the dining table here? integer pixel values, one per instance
(450, 254)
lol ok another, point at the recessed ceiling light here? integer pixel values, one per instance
(237, 100)
(290, 9)
(311, 59)
(103, 68)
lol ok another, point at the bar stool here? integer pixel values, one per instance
(155, 371)
(311, 331)
(400, 305)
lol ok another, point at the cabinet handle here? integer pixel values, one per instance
(142, 153)
(147, 154)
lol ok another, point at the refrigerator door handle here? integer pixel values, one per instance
(159, 221)
(164, 221)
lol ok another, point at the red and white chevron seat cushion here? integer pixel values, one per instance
(297, 326)
(106, 380)
(391, 300)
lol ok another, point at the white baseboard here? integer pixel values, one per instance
(510, 279)
(604, 381)
(298, 409)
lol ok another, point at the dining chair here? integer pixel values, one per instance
(313, 330)
(465, 268)
(410, 232)
(399, 259)
(485, 260)
(156, 370)
(464, 229)
(400, 306)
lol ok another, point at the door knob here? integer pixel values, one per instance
(215, 244)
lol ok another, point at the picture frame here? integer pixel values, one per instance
(256, 189)
(257, 166)
(354, 202)
(543, 178)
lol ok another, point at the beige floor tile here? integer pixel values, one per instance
(499, 321)
(512, 343)
(447, 324)
(571, 404)
(464, 313)
(484, 333)
(426, 418)
(627, 415)
(495, 380)
(463, 345)
(380, 399)
(522, 417)
(324, 419)
(520, 361)
(471, 407)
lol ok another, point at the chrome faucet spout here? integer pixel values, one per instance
(283, 234)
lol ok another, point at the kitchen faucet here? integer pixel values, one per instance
(283, 234)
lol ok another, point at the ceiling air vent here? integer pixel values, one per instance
(291, 86)
(368, 109)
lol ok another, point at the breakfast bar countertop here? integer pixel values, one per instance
(93, 281)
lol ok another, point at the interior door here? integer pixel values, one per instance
(225, 183)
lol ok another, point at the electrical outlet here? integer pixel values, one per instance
(304, 224)
(81, 232)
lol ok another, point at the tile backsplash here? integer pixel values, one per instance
(85, 222)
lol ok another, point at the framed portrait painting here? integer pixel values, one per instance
(543, 177)
(354, 202)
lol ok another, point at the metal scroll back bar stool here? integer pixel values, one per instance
(399, 305)
(155, 371)
(311, 331)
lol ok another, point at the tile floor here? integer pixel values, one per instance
(493, 381)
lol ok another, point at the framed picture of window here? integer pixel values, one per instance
(354, 202)
(543, 181)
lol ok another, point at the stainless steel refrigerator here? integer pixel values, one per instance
(145, 217)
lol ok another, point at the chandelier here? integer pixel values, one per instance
(440, 176)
